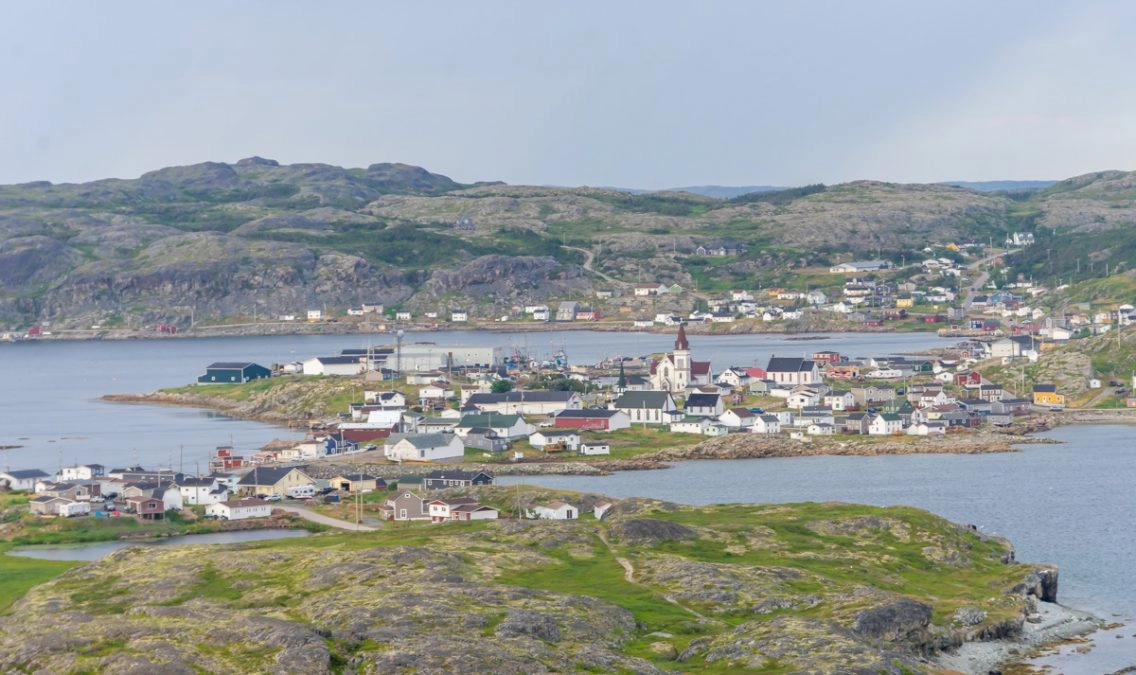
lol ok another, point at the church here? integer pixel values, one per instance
(676, 371)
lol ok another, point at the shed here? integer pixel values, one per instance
(232, 372)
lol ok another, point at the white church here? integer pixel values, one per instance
(676, 371)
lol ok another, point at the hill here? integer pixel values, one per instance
(217, 242)
(653, 588)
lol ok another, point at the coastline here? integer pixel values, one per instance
(1055, 624)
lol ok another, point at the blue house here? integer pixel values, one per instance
(225, 372)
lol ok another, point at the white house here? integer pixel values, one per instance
(424, 447)
(737, 418)
(766, 424)
(647, 407)
(690, 425)
(460, 508)
(802, 398)
(839, 400)
(544, 437)
(819, 429)
(207, 490)
(23, 479)
(556, 510)
(793, 371)
(459, 316)
(80, 472)
(885, 425)
(595, 448)
(333, 365)
(239, 509)
(927, 429)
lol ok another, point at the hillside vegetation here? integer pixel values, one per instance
(226, 242)
(654, 587)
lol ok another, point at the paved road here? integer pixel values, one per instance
(308, 514)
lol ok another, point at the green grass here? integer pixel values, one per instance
(18, 575)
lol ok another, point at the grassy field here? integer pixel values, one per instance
(18, 575)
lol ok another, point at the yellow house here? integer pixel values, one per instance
(902, 302)
(1046, 395)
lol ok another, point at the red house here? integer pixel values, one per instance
(970, 378)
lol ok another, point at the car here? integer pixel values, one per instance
(272, 498)
(757, 411)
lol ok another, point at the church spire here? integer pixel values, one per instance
(680, 341)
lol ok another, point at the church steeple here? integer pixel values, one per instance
(680, 341)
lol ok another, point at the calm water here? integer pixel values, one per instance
(49, 398)
(96, 550)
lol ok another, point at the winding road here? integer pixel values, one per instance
(308, 514)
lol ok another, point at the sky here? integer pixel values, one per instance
(630, 94)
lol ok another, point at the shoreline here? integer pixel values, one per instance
(1055, 625)
(388, 328)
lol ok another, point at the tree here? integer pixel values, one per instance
(622, 383)
(502, 386)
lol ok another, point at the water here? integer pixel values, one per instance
(49, 391)
(96, 550)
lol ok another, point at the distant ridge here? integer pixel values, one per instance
(714, 191)
(1000, 185)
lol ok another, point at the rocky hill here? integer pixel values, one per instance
(652, 588)
(218, 242)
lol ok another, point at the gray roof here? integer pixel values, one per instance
(642, 399)
(522, 397)
(587, 413)
(702, 400)
(422, 440)
(24, 474)
(267, 475)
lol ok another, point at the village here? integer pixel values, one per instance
(428, 413)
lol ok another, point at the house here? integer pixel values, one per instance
(691, 425)
(601, 509)
(272, 481)
(484, 439)
(424, 447)
(793, 371)
(52, 505)
(461, 508)
(524, 402)
(1046, 395)
(22, 479)
(970, 378)
(594, 448)
(734, 377)
(555, 510)
(459, 316)
(239, 509)
(704, 405)
(202, 491)
(738, 418)
(766, 424)
(445, 478)
(1012, 347)
(356, 482)
(230, 372)
(927, 429)
(567, 310)
(80, 472)
(870, 396)
(509, 427)
(592, 419)
(802, 397)
(885, 425)
(819, 429)
(564, 439)
(647, 407)
(839, 400)
(335, 365)
(405, 506)
(146, 507)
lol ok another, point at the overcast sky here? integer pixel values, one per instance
(633, 94)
